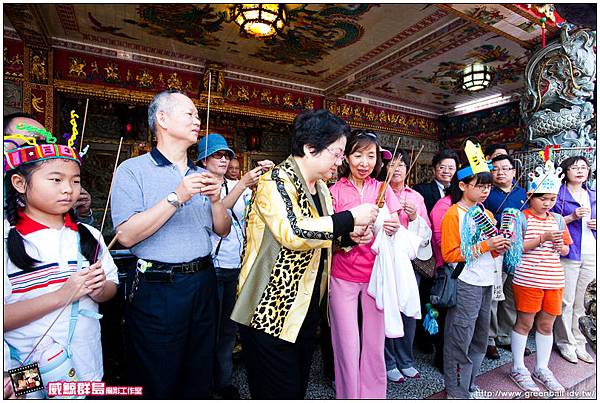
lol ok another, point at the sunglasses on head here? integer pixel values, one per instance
(368, 134)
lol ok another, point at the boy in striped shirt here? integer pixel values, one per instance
(539, 281)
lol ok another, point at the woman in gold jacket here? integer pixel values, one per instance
(287, 257)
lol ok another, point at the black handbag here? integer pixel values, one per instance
(443, 291)
(426, 268)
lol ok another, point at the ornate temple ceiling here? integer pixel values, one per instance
(405, 54)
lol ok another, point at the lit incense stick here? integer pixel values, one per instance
(111, 185)
(207, 113)
(87, 101)
(391, 168)
(412, 164)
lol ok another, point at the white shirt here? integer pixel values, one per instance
(588, 241)
(57, 252)
(230, 251)
(441, 187)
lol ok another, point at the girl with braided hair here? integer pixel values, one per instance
(50, 260)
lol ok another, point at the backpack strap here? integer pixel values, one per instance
(218, 248)
(75, 311)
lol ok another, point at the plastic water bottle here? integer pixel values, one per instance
(54, 364)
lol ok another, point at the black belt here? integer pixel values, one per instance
(194, 266)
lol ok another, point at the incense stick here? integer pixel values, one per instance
(110, 245)
(412, 164)
(111, 185)
(87, 101)
(509, 192)
(390, 173)
(207, 113)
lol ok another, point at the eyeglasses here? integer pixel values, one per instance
(579, 167)
(220, 154)
(401, 165)
(496, 170)
(339, 155)
(482, 188)
(446, 168)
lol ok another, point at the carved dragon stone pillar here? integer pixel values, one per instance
(557, 106)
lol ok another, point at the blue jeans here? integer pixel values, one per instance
(226, 285)
(399, 351)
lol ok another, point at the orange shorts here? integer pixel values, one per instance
(533, 300)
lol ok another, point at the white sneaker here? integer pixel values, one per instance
(546, 377)
(394, 375)
(411, 372)
(584, 356)
(522, 378)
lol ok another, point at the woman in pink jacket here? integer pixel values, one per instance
(359, 372)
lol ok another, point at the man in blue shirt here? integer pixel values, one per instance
(505, 193)
(164, 209)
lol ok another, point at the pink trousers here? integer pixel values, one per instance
(359, 374)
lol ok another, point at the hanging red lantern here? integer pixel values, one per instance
(253, 141)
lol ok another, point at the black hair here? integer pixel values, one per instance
(567, 163)
(15, 245)
(8, 118)
(318, 129)
(503, 157)
(538, 195)
(384, 169)
(489, 150)
(358, 140)
(482, 178)
(445, 154)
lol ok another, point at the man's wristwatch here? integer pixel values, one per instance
(173, 200)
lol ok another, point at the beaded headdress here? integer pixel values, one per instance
(30, 151)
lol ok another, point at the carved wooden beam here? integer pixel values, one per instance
(29, 24)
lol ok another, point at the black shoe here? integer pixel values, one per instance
(492, 353)
(508, 348)
(229, 392)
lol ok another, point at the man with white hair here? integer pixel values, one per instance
(164, 209)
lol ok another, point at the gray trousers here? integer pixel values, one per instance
(504, 315)
(399, 351)
(465, 337)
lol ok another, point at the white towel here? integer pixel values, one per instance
(393, 283)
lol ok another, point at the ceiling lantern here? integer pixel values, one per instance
(476, 77)
(260, 20)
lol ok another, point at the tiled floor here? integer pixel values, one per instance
(431, 380)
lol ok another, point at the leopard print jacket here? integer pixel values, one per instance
(285, 237)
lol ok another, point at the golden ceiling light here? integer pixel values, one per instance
(476, 77)
(260, 20)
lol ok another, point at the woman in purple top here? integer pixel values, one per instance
(577, 204)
